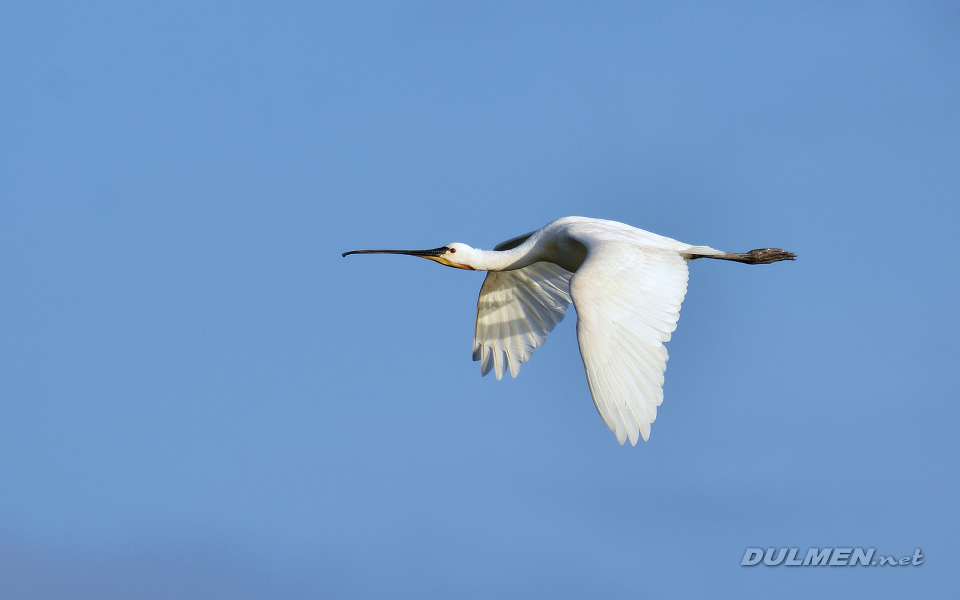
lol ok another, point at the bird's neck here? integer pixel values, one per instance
(535, 249)
(500, 260)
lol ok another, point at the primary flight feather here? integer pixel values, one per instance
(627, 285)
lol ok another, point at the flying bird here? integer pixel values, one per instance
(626, 285)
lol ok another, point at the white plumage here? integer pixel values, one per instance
(626, 285)
(515, 312)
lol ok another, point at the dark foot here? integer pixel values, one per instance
(763, 256)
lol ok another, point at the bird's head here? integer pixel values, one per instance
(452, 255)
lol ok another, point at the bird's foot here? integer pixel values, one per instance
(763, 256)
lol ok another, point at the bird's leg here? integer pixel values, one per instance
(760, 256)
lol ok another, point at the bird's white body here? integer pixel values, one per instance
(626, 285)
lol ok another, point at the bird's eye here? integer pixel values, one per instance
(453, 250)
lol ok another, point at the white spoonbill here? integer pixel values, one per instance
(626, 284)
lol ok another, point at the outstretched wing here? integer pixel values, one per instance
(515, 312)
(628, 302)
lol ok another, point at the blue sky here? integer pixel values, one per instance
(199, 398)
